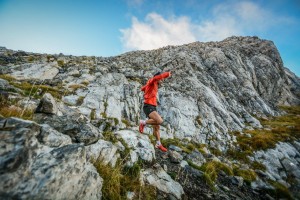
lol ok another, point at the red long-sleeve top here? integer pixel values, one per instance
(151, 88)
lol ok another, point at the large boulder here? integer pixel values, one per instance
(47, 105)
(36, 71)
(196, 157)
(158, 178)
(139, 143)
(78, 129)
(103, 151)
(30, 170)
(52, 138)
(281, 162)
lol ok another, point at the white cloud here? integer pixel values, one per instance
(157, 32)
(227, 19)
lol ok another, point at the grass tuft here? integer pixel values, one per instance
(284, 128)
(126, 122)
(258, 166)
(14, 111)
(119, 180)
(281, 191)
(211, 170)
(247, 174)
(75, 87)
(80, 100)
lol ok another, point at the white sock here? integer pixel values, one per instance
(144, 122)
(158, 143)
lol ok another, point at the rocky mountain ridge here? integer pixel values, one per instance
(216, 88)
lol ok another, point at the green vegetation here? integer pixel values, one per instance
(49, 57)
(75, 87)
(258, 166)
(211, 170)
(15, 111)
(282, 129)
(136, 79)
(109, 136)
(116, 121)
(281, 191)
(193, 165)
(186, 146)
(247, 174)
(7, 77)
(85, 82)
(199, 120)
(105, 105)
(103, 114)
(215, 151)
(60, 63)
(121, 179)
(173, 175)
(285, 128)
(126, 122)
(79, 100)
(32, 90)
(93, 114)
(30, 59)
(10, 108)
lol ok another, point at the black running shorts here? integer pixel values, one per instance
(148, 109)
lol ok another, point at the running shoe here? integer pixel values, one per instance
(141, 127)
(161, 147)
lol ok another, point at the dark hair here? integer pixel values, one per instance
(158, 73)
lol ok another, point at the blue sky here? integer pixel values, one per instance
(112, 27)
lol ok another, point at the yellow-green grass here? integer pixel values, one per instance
(14, 111)
(281, 191)
(7, 77)
(80, 100)
(75, 87)
(93, 114)
(186, 146)
(60, 63)
(211, 170)
(283, 128)
(126, 122)
(247, 174)
(257, 166)
(85, 82)
(32, 90)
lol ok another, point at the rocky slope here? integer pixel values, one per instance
(216, 88)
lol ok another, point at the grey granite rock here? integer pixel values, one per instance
(47, 105)
(30, 170)
(79, 130)
(158, 178)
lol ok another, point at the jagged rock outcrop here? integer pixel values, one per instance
(215, 87)
(162, 181)
(32, 170)
(104, 151)
(140, 145)
(282, 163)
(47, 105)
